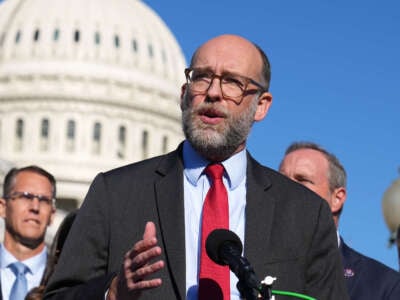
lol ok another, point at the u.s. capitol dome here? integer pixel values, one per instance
(86, 86)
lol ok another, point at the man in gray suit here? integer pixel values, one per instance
(286, 230)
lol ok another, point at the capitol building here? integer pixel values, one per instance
(86, 86)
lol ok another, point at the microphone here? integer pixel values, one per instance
(225, 248)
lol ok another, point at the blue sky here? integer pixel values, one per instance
(335, 81)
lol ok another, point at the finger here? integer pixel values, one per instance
(142, 258)
(144, 272)
(149, 231)
(149, 240)
(144, 245)
(139, 279)
(145, 284)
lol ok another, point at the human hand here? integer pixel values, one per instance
(137, 267)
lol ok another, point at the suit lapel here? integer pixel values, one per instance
(259, 215)
(351, 266)
(169, 195)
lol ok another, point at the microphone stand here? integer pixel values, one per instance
(246, 292)
(264, 292)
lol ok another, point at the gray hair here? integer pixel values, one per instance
(336, 173)
(9, 180)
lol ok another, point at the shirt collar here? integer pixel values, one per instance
(34, 263)
(235, 166)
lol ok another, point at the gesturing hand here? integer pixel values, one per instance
(137, 267)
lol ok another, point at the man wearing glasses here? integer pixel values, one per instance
(141, 231)
(27, 207)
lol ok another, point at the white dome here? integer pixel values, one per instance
(86, 86)
(123, 34)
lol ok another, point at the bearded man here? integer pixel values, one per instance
(209, 182)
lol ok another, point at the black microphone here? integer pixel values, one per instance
(225, 248)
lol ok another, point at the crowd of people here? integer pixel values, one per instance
(141, 232)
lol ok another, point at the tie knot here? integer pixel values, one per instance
(18, 268)
(215, 171)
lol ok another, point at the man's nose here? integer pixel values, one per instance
(214, 91)
(35, 204)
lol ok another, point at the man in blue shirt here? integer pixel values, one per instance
(320, 171)
(27, 207)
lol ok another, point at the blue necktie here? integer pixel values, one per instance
(20, 286)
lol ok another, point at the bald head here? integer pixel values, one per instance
(232, 52)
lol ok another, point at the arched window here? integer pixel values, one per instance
(150, 50)
(56, 34)
(134, 45)
(36, 35)
(116, 41)
(19, 135)
(145, 143)
(45, 128)
(18, 36)
(76, 36)
(121, 141)
(96, 138)
(44, 134)
(97, 38)
(71, 135)
(164, 144)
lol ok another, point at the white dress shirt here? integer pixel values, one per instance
(35, 264)
(196, 186)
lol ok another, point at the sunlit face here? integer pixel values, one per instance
(215, 131)
(310, 168)
(26, 222)
(215, 126)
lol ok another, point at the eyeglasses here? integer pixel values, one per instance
(233, 86)
(27, 198)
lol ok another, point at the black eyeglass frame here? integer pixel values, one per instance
(248, 80)
(31, 197)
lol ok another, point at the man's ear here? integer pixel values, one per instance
(338, 199)
(183, 92)
(3, 207)
(264, 103)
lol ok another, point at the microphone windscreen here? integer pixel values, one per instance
(217, 240)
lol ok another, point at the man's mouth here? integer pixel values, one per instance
(32, 221)
(211, 116)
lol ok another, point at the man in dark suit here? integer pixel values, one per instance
(320, 171)
(286, 229)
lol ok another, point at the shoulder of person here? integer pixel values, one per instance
(368, 264)
(149, 165)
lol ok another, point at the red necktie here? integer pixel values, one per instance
(214, 279)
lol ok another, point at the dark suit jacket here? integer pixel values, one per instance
(289, 232)
(368, 279)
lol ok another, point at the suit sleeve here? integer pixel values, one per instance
(82, 271)
(325, 279)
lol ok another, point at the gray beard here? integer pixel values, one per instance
(216, 143)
